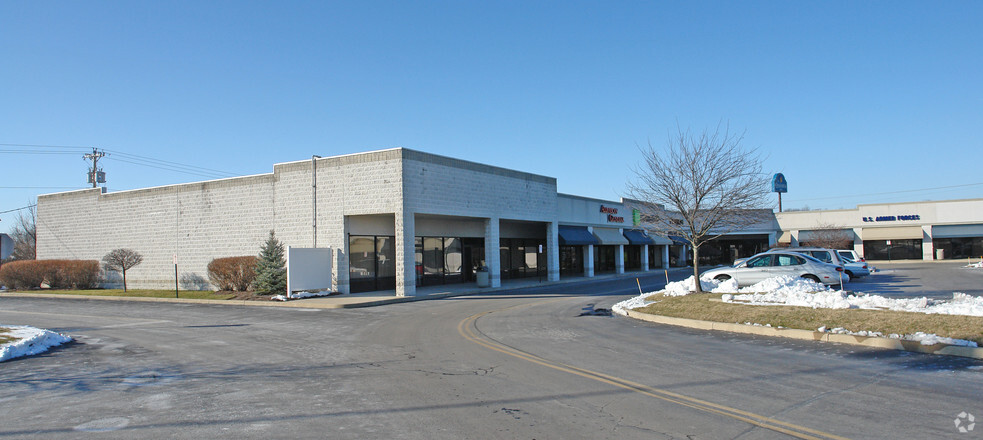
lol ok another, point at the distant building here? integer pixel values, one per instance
(6, 246)
(936, 230)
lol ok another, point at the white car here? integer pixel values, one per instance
(853, 255)
(774, 263)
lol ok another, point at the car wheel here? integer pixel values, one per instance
(722, 277)
(850, 274)
(811, 277)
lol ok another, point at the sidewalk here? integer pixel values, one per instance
(370, 299)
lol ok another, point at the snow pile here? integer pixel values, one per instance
(976, 265)
(32, 341)
(799, 295)
(921, 337)
(623, 307)
(299, 295)
(779, 284)
(686, 287)
(790, 291)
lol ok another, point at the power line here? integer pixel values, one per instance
(44, 146)
(168, 165)
(18, 209)
(42, 187)
(167, 168)
(37, 152)
(134, 159)
(890, 192)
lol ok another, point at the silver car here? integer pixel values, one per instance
(773, 263)
(855, 269)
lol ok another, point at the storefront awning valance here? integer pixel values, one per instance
(609, 236)
(636, 236)
(893, 233)
(575, 236)
(661, 241)
(957, 231)
(677, 240)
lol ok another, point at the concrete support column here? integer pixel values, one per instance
(665, 257)
(341, 275)
(492, 255)
(589, 257)
(645, 258)
(619, 259)
(553, 251)
(795, 238)
(928, 246)
(405, 253)
(858, 241)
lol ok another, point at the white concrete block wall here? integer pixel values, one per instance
(439, 185)
(192, 221)
(351, 185)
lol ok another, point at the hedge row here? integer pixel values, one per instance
(232, 273)
(57, 274)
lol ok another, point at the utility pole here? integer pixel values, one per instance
(96, 176)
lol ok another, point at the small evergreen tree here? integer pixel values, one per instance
(271, 270)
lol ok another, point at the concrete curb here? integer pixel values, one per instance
(809, 335)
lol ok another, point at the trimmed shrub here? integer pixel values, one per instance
(24, 274)
(232, 273)
(57, 274)
(80, 274)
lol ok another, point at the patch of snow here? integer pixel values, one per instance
(976, 265)
(687, 286)
(790, 291)
(32, 341)
(622, 307)
(299, 295)
(922, 337)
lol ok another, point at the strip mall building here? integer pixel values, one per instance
(394, 219)
(400, 219)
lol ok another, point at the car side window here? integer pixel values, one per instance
(789, 260)
(822, 256)
(762, 261)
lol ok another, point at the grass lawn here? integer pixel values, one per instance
(700, 306)
(144, 293)
(4, 338)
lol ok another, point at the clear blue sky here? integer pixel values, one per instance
(855, 102)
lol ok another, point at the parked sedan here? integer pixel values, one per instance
(855, 269)
(772, 264)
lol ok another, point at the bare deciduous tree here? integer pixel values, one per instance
(829, 236)
(700, 187)
(25, 235)
(122, 260)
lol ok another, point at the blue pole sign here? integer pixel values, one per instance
(779, 184)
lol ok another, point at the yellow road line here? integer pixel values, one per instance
(469, 330)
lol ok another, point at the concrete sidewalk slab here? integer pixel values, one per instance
(368, 299)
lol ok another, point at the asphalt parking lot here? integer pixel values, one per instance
(920, 278)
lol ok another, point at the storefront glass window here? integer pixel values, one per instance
(362, 257)
(897, 250)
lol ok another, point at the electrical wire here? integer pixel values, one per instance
(889, 192)
(120, 156)
(18, 209)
